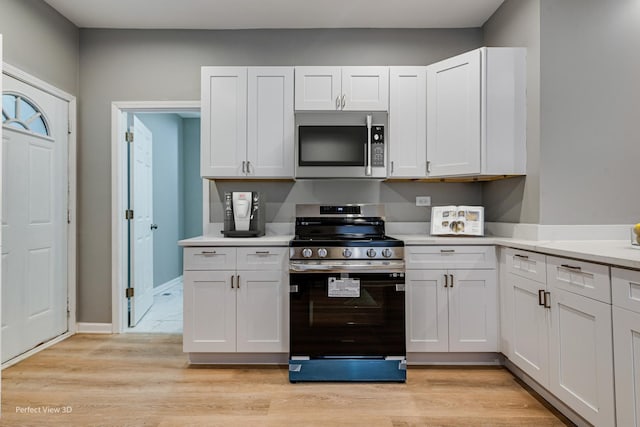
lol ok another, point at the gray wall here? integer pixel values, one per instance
(192, 188)
(168, 194)
(40, 41)
(590, 112)
(122, 65)
(517, 23)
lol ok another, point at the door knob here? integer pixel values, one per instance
(154, 226)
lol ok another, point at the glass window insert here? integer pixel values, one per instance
(18, 112)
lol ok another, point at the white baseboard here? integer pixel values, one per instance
(160, 289)
(94, 328)
(35, 350)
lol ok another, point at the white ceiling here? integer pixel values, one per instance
(242, 14)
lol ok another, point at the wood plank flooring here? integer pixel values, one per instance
(144, 379)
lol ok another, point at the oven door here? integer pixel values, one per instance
(347, 314)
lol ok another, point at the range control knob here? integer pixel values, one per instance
(371, 253)
(387, 253)
(306, 252)
(347, 253)
(322, 252)
(376, 137)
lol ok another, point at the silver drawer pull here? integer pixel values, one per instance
(262, 252)
(447, 251)
(521, 256)
(207, 252)
(571, 267)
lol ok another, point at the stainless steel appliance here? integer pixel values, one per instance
(347, 296)
(244, 214)
(341, 150)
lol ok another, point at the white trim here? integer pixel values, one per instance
(162, 288)
(38, 349)
(118, 193)
(16, 73)
(94, 328)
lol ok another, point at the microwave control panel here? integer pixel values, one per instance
(377, 146)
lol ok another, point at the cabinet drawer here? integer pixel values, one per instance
(579, 277)
(439, 257)
(625, 288)
(526, 264)
(208, 258)
(262, 258)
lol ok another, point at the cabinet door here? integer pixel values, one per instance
(270, 129)
(454, 115)
(209, 311)
(581, 356)
(473, 310)
(365, 88)
(529, 327)
(427, 311)
(626, 345)
(407, 122)
(318, 88)
(224, 121)
(263, 311)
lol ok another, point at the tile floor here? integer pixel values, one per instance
(165, 315)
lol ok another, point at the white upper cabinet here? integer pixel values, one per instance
(407, 122)
(247, 128)
(476, 114)
(342, 89)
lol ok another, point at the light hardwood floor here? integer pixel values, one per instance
(144, 379)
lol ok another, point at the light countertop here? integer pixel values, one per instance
(614, 252)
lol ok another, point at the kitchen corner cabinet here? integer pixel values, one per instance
(626, 344)
(407, 122)
(560, 329)
(247, 124)
(235, 300)
(476, 114)
(342, 88)
(452, 309)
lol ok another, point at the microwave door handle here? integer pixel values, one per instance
(367, 170)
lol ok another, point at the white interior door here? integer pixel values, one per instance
(34, 217)
(141, 233)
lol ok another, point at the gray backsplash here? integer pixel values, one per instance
(398, 197)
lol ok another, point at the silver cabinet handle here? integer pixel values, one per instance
(243, 166)
(154, 226)
(391, 166)
(343, 101)
(248, 166)
(428, 166)
(521, 256)
(447, 251)
(232, 276)
(446, 280)
(571, 267)
(547, 299)
(262, 252)
(238, 282)
(541, 297)
(207, 252)
(451, 280)
(338, 102)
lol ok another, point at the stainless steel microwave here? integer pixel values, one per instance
(341, 151)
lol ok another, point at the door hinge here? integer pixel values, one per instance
(128, 214)
(128, 136)
(129, 292)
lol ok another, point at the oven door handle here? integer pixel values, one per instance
(332, 267)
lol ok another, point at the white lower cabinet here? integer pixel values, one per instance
(229, 309)
(560, 331)
(626, 344)
(450, 310)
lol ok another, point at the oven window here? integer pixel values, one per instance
(371, 324)
(332, 145)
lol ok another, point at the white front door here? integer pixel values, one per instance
(34, 217)
(141, 201)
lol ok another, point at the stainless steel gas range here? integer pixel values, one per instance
(347, 296)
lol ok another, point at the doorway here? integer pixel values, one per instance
(38, 215)
(160, 188)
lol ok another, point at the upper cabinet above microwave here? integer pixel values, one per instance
(476, 114)
(342, 88)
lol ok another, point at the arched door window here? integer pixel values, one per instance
(20, 113)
